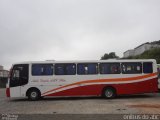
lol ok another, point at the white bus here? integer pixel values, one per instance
(107, 78)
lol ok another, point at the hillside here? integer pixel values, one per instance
(156, 42)
(153, 53)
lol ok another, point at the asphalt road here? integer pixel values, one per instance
(86, 107)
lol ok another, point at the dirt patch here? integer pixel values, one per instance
(145, 106)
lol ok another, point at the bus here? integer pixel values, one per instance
(158, 67)
(107, 78)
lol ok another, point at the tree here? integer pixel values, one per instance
(111, 55)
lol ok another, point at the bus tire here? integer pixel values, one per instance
(34, 94)
(109, 92)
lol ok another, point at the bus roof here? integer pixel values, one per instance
(90, 61)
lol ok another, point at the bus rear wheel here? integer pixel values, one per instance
(33, 95)
(109, 93)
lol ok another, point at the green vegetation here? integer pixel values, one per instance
(111, 55)
(153, 53)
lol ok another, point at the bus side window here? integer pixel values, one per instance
(71, 69)
(147, 67)
(131, 68)
(92, 68)
(81, 69)
(36, 69)
(110, 68)
(65, 69)
(42, 69)
(48, 69)
(59, 69)
(87, 68)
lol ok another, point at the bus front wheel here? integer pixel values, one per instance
(33, 95)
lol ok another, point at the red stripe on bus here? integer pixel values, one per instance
(105, 80)
(148, 86)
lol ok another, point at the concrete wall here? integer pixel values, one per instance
(1, 67)
(140, 49)
(128, 53)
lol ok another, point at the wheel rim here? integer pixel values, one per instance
(33, 94)
(108, 93)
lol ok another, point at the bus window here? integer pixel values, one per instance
(109, 68)
(15, 74)
(131, 68)
(70, 69)
(19, 75)
(42, 69)
(87, 68)
(147, 67)
(65, 69)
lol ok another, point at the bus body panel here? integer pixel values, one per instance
(96, 90)
(87, 85)
(15, 91)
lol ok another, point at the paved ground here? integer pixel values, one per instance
(135, 104)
